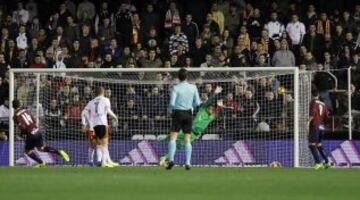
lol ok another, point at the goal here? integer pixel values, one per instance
(264, 120)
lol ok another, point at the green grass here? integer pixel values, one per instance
(149, 183)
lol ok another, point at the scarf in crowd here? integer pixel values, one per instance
(265, 43)
(171, 19)
(320, 27)
(247, 41)
(135, 35)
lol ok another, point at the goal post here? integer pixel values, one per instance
(236, 139)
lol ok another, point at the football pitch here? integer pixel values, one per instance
(149, 183)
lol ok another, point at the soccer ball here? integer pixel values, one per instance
(281, 90)
(275, 164)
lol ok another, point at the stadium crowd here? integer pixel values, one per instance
(313, 35)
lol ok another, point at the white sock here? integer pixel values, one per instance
(105, 158)
(98, 154)
(108, 156)
(91, 153)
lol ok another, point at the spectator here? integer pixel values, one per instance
(283, 57)
(87, 94)
(218, 17)
(208, 62)
(310, 61)
(85, 38)
(232, 19)
(347, 22)
(37, 63)
(314, 42)
(63, 14)
(227, 41)
(131, 115)
(4, 38)
(150, 18)
(32, 8)
(152, 61)
(33, 50)
(34, 27)
(172, 18)
(329, 63)
(21, 60)
(53, 115)
(190, 29)
(248, 111)
(231, 103)
(103, 14)
(152, 39)
(274, 27)
(21, 39)
(156, 105)
(113, 100)
(108, 61)
(71, 7)
(105, 32)
(310, 16)
(296, 31)
(123, 25)
(345, 57)
(210, 23)
(36, 109)
(114, 49)
(86, 9)
(23, 90)
(176, 39)
(3, 66)
(198, 52)
(53, 22)
(123, 60)
(324, 25)
(20, 15)
(4, 111)
(94, 51)
(11, 52)
(255, 24)
(338, 39)
(137, 29)
(72, 30)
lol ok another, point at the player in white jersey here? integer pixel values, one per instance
(99, 109)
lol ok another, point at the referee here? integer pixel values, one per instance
(184, 98)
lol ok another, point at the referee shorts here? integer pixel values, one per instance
(101, 131)
(181, 121)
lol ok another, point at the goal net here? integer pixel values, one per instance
(264, 119)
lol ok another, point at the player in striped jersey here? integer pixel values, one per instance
(33, 138)
(318, 113)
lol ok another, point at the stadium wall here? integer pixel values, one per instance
(242, 153)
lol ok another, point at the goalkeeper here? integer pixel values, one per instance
(208, 112)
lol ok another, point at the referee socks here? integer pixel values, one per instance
(172, 149)
(188, 151)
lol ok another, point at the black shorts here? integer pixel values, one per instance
(101, 131)
(181, 120)
(33, 140)
(315, 136)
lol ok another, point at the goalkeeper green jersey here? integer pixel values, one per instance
(202, 121)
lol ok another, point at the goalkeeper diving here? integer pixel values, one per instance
(208, 112)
